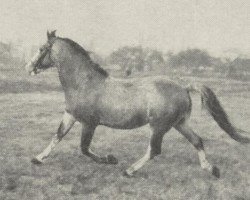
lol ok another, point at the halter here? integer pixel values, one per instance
(45, 49)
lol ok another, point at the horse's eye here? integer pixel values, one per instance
(41, 49)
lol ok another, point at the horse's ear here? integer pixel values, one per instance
(51, 34)
(48, 34)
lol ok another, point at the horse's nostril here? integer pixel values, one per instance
(29, 67)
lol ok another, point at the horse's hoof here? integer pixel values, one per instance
(216, 172)
(36, 161)
(112, 160)
(128, 175)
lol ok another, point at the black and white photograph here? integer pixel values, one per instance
(124, 100)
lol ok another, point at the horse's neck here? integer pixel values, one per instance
(75, 76)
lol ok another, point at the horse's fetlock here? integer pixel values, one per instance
(85, 150)
(155, 152)
(199, 144)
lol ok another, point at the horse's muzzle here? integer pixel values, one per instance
(29, 67)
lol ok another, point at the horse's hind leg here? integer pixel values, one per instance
(154, 149)
(65, 125)
(87, 135)
(196, 141)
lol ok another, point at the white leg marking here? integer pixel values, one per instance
(138, 164)
(203, 161)
(67, 121)
(48, 149)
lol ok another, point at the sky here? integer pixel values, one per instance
(105, 25)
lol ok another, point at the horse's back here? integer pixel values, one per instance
(151, 85)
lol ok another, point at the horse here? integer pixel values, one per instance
(93, 98)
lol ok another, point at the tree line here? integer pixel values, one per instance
(195, 61)
(136, 59)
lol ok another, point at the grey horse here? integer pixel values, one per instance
(95, 98)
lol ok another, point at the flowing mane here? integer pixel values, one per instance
(85, 53)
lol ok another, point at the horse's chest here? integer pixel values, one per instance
(82, 106)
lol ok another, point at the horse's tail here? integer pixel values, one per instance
(211, 103)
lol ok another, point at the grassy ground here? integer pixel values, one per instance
(31, 112)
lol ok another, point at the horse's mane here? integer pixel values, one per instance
(85, 53)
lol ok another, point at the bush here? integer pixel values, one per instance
(191, 58)
(136, 59)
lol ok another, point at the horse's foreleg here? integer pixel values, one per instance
(65, 125)
(196, 141)
(87, 135)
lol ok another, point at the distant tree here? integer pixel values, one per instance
(136, 59)
(11, 55)
(5, 53)
(154, 59)
(238, 67)
(241, 64)
(191, 58)
(127, 57)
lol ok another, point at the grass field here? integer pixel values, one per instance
(31, 109)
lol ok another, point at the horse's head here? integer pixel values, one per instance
(42, 59)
